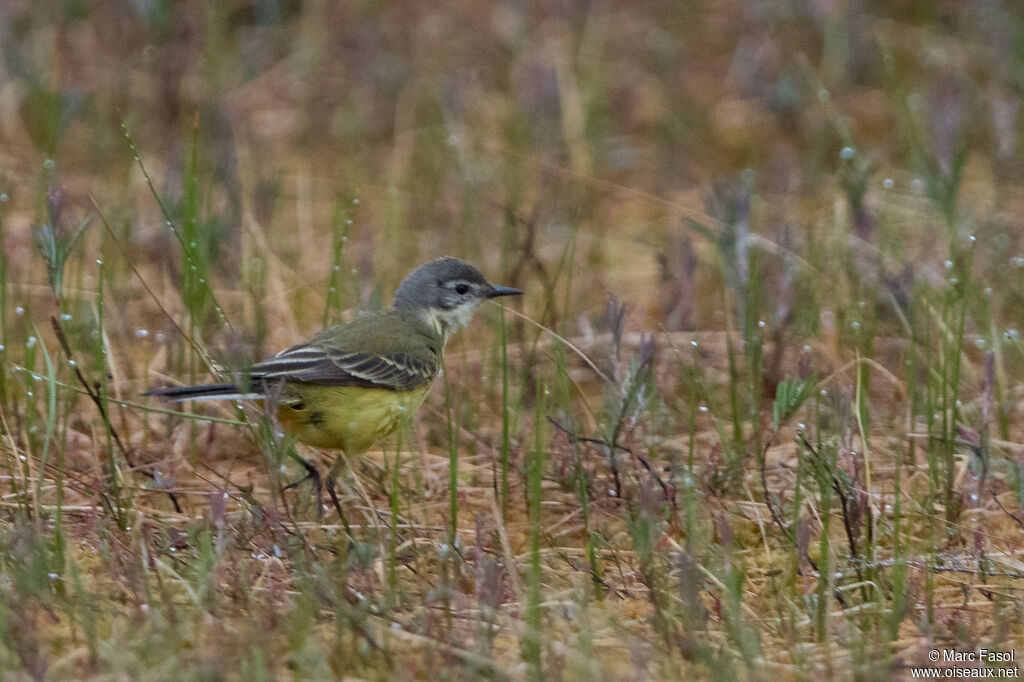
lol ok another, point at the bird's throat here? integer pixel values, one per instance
(447, 322)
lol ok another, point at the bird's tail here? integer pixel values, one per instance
(177, 394)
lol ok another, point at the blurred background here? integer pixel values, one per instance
(501, 132)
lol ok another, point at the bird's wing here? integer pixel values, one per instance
(389, 349)
(329, 366)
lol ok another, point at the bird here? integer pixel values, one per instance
(351, 384)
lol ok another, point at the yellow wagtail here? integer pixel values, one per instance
(350, 384)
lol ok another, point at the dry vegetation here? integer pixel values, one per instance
(759, 414)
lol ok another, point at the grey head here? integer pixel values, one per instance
(445, 292)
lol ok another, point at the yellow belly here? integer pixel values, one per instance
(346, 418)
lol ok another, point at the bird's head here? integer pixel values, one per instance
(445, 293)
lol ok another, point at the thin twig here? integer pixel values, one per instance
(124, 252)
(1020, 522)
(778, 517)
(97, 400)
(838, 487)
(574, 438)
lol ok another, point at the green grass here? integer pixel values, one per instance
(758, 413)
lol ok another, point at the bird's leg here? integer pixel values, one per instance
(271, 403)
(312, 473)
(334, 498)
(331, 478)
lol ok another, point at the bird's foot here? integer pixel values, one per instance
(312, 474)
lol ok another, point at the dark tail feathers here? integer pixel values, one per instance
(204, 392)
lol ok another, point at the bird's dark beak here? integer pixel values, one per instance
(502, 291)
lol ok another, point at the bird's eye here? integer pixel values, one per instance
(461, 288)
